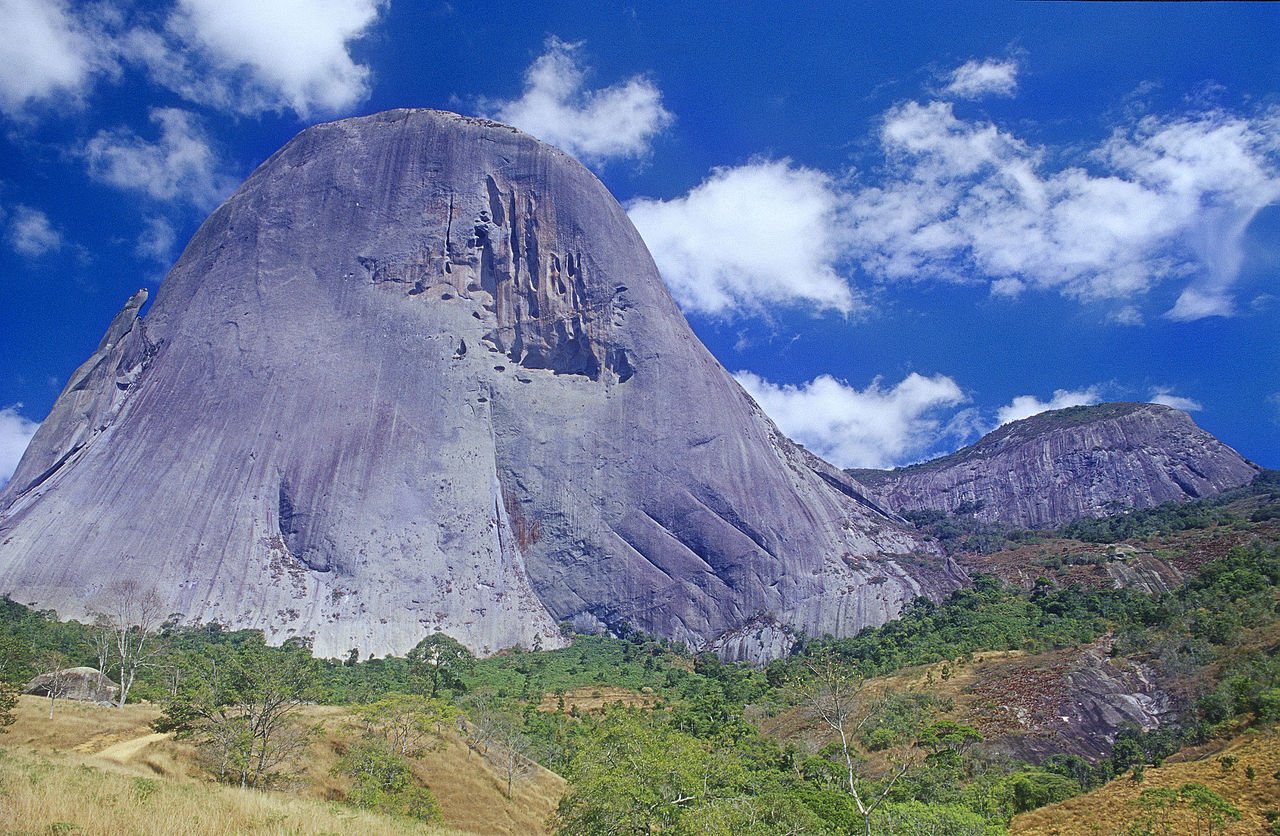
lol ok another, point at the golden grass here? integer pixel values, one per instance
(47, 794)
(103, 771)
(1107, 810)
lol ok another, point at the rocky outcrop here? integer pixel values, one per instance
(1076, 703)
(420, 373)
(84, 684)
(1065, 464)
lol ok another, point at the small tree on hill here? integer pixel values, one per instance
(440, 661)
(382, 780)
(833, 691)
(408, 723)
(125, 631)
(52, 666)
(240, 705)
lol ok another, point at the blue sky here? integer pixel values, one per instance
(898, 224)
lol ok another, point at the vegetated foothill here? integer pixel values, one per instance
(691, 744)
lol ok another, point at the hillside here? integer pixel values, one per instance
(961, 715)
(148, 783)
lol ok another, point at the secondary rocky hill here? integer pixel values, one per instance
(1064, 464)
(420, 373)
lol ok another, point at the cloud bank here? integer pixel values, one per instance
(762, 234)
(1024, 406)
(46, 52)
(614, 122)
(181, 165)
(239, 56)
(872, 427)
(1162, 200)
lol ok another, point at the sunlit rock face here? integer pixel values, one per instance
(420, 373)
(1084, 461)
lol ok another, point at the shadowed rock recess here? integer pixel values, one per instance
(420, 373)
(1083, 461)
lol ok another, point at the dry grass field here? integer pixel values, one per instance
(103, 771)
(1109, 809)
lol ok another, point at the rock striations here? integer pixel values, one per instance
(1058, 466)
(419, 373)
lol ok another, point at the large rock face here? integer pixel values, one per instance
(1065, 464)
(419, 373)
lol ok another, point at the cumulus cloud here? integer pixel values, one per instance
(249, 56)
(968, 201)
(15, 434)
(990, 77)
(46, 52)
(180, 166)
(871, 427)
(31, 234)
(1024, 406)
(594, 125)
(1166, 397)
(764, 233)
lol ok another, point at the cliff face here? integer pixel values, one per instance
(1058, 466)
(419, 373)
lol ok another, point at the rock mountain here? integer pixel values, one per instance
(1083, 461)
(419, 373)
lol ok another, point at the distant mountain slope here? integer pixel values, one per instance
(1064, 464)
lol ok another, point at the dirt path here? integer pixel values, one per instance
(126, 750)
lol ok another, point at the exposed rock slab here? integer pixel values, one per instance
(1085, 461)
(83, 684)
(420, 373)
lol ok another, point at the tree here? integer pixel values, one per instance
(125, 631)
(1211, 810)
(633, 774)
(497, 736)
(406, 722)
(56, 679)
(382, 780)
(240, 704)
(440, 660)
(832, 690)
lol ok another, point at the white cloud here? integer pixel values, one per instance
(46, 52)
(871, 427)
(593, 125)
(180, 166)
(31, 234)
(1024, 406)
(1164, 396)
(764, 233)
(270, 55)
(968, 201)
(156, 240)
(15, 434)
(983, 78)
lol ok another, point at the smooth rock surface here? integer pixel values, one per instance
(420, 373)
(83, 684)
(1084, 461)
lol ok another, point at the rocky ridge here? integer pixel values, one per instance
(1064, 464)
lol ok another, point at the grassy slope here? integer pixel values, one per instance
(1110, 808)
(104, 772)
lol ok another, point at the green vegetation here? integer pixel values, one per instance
(687, 752)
